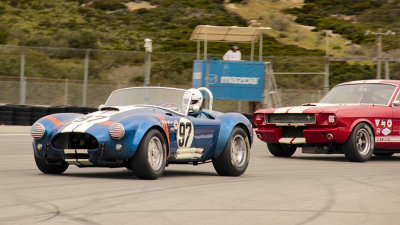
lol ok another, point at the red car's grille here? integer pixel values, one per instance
(291, 118)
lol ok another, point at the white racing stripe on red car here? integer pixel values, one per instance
(292, 140)
(299, 109)
(282, 110)
(285, 140)
(298, 141)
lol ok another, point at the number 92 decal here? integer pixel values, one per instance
(185, 133)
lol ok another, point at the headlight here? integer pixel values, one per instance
(37, 131)
(332, 119)
(117, 131)
(258, 119)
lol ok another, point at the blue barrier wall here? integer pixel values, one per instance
(237, 80)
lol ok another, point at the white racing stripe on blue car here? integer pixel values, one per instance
(84, 127)
(83, 123)
(69, 128)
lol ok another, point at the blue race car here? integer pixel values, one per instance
(145, 129)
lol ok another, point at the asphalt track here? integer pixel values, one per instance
(304, 189)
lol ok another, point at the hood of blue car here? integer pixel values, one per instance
(104, 117)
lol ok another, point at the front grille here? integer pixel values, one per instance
(292, 131)
(75, 141)
(291, 118)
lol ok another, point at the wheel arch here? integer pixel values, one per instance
(243, 126)
(143, 128)
(355, 148)
(228, 122)
(165, 137)
(356, 122)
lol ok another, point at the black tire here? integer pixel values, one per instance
(22, 121)
(140, 162)
(281, 150)
(87, 110)
(22, 114)
(231, 163)
(38, 114)
(56, 109)
(39, 109)
(50, 169)
(73, 109)
(6, 122)
(6, 118)
(7, 113)
(23, 108)
(360, 145)
(7, 107)
(384, 154)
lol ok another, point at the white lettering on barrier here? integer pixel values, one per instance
(239, 80)
(197, 75)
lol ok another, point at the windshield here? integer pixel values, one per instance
(378, 94)
(169, 98)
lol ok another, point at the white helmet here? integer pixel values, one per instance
(196, 100)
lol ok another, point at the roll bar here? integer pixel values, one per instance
(211, 101)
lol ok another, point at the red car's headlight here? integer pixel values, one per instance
(117, 131)
(37, 131)
(258, 119)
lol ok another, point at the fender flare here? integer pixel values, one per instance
(51, 123)
(228, 122)
(360, 121)
(140, 130)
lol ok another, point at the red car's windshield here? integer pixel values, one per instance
(365, 93)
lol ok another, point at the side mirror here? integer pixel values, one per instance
(396, 103)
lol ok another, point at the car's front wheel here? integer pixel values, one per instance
(281, 150)
(150, 159)
(50, 168)
(234, 159)
(360, 145)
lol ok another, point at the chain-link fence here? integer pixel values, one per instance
(56, 76)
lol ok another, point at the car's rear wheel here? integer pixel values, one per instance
(234, 159)
(281, 150)
(360, 145)
(150, 158)
(50, 168)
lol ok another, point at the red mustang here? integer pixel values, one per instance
(357, 119)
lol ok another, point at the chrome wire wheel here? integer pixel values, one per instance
(155, 153)
(363, 141)
(238, 150)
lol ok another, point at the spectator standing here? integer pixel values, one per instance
(233, 55)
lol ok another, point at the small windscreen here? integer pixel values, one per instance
(169, 98)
